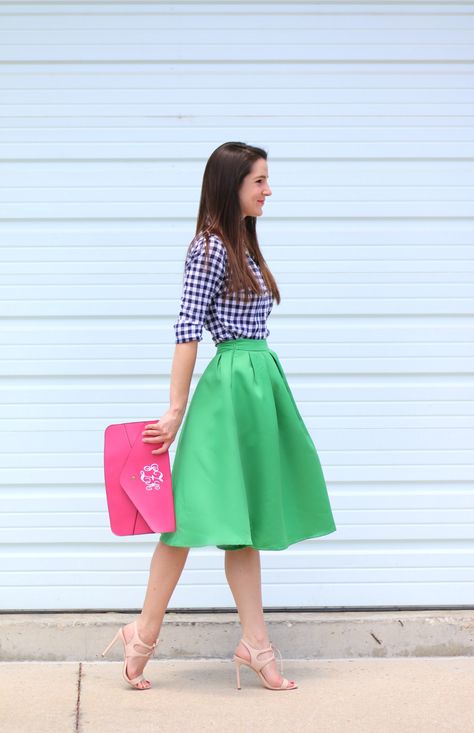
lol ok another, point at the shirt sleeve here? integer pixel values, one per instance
(202, 281)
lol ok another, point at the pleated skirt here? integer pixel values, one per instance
(246, 471)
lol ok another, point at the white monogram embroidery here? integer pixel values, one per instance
(151, 476)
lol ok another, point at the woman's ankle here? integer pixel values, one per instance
(148, 629)
(258, 641)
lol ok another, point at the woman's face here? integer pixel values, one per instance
(255, 189)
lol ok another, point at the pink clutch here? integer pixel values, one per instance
(137, 483)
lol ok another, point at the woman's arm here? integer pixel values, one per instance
(200, 286)
(182, 369)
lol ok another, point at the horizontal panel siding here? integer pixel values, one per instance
(108, 113)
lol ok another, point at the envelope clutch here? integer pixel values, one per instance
(137, 483)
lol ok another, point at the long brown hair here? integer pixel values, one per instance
(220, 214)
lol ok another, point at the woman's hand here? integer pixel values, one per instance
(164, 431)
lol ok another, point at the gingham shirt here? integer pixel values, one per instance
(202, 304)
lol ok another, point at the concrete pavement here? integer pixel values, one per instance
(367, 672)
(299, 634)
(395, 695)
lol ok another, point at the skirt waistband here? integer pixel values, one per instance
(246, 344)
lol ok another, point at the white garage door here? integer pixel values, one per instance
(108, 113)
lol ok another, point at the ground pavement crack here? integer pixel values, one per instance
(78, 698)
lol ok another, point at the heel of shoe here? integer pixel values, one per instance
(237, 672)
(109, 646)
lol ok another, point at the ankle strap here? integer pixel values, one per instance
(264, 662)
(254, 648)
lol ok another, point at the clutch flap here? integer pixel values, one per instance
(146, 479)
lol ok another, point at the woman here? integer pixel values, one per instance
(246, 475)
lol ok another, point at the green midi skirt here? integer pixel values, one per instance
(246, 471)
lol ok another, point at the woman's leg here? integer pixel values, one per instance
(243, 573)
(166, 567)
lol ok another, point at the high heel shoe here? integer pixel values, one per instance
(258, 664)
(130, 652)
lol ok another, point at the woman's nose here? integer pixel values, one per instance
(268, 191)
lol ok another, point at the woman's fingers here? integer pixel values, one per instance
(152, 426)
(163, 448)
(153, 432)
(163, 432)
(157, 437)
(157, 434)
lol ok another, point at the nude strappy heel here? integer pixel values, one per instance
(258, 664)
(130, 651)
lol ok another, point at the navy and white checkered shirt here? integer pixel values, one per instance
(202, 304)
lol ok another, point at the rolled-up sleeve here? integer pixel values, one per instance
(202, 281)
